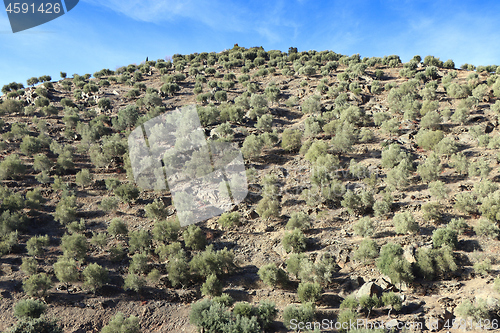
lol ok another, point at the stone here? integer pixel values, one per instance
(369, 288)
(409, 253)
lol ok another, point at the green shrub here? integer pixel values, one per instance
(438, 190)
(393, 301)
(303, 313)
(427, 139)
(166, 230)
(433, 262)
(74, 246)
(346, 318)
(483, 267)
(134, 282)
(272, 275)
(66, 210)
(299, 220)
(29, 309)
(444, 237)
(268, 207)
(139, 241)
(94, 276)
(486, 228)
(194, 237)
(138, 264)
(477, 312)
(430, 169)
(312, 104)
(117, 227)
(405, 223)
(392, 263)
(37, 284)
(229, 219)
(309, 292)
(178, 269)
(252, 146)
(11, 167)
(212, 262)
(294, 241)
(109, 204)
(364, 227)
(357, 203)
(368, 302)
(212, 286)
(368, 249)
(66, 270)
(42, 163)
(121, 324)
(431, 211)
(35, 245)
(480, 167)
(83, 178)
(29, 266)
(127, 192)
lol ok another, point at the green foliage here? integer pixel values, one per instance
(271, 275)
(294, 241)
(430, 169)
(30, 145)
(94, 276)
(66, 210)
(166, 230)
(309, 292)
(11, 167)
(35, 245)
(178, 269)
(438, 190)
(460, 163)
(483, 267)
(393, 300)
(252, 146)
(29, 309)
(74, 246)
(444, 237)
(66, 270)
(357, 203)
(480, 167)
(84, 178)
(134, 282)
(433, 262)
(368, 249)
(212, 262)
(109, 204)
(312, 104)
(194, 237)
(138, 264)
(345, 319)
(486, 228)
(127, 192)
(39, 325)
(302, 313)
(212, 286)
(364, 227)
(29, 266)
(427, 139)
(139, 241)
(229, 219)
(122, 325)
(37, 284)
(392, 263)
(299, 220)
(405, 223)
(350, 302)
(431, 211)
(368, 302)
(117, 227)
(477, 312)
(126, 118)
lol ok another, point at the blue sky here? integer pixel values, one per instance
(99, 34)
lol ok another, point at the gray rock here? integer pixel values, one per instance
(369, 288)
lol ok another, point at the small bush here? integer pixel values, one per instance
(29, 266)
(486, 228)
(139, 241)
(83, 178)
(74, 246)
(392, 264)
(212, 286)
(438, 190)
(11, 167)
(166, 230)
(229, 219)
(272, 275)
(431, 211)
(121, 324)
(194, 237)
(405, 223)
(117, 227)
(428, 139)
(482, 267)
(127, 192)
(309, 292)
(368, 249)
(302, 313)
(37, 284)
(444, 237)
(312, 104)
(364, 227)
(299, 220)
(477, 312)
(35, 245)
(345, 319)
(252, 146)
(94, 276)
(430, 169)
(465, 202)
(294, 241)
(29, 309)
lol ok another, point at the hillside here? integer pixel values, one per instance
(366, 176)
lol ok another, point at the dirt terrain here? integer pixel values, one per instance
(258, 241)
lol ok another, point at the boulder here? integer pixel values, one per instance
(369, 288)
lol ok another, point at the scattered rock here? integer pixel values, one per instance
(369, 288)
